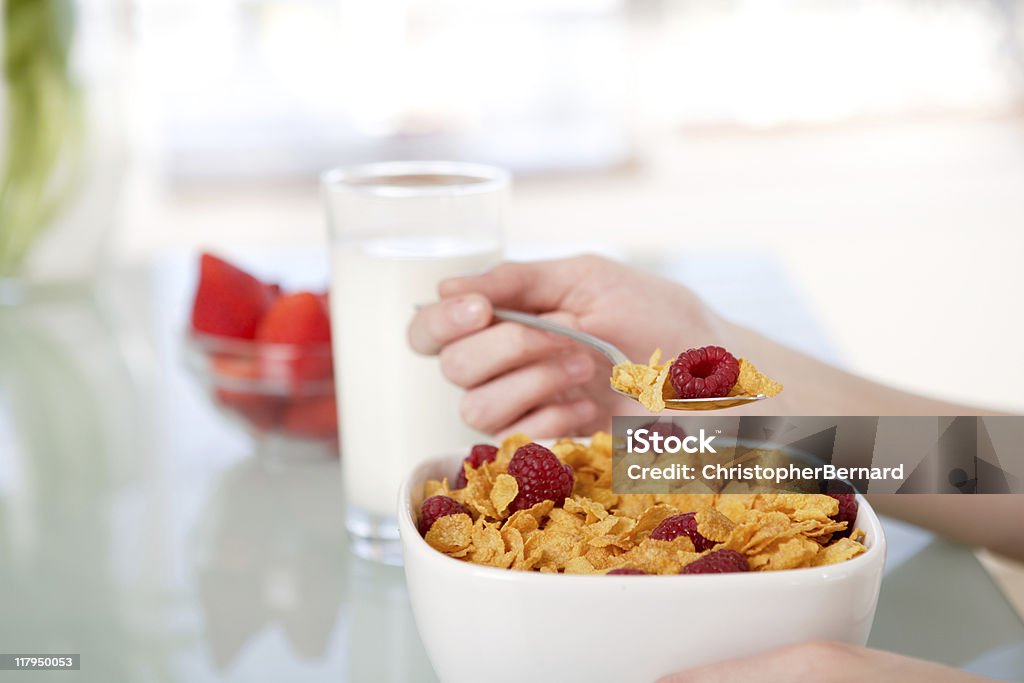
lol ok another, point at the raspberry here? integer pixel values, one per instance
(540, 475)
(680, 525)
(479, 454)
(436, 507)
(847, 512)
(721, 561)
(626, 571)
(708, 372)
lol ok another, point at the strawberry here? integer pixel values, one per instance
(229, 302)
(299, 318)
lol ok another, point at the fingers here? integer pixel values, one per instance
(536, 286)
(750, 669)
(480, 357)
(440, 323)
(494, 406)
(555, 420)
(517, 376)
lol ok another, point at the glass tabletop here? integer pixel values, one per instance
(141, 529)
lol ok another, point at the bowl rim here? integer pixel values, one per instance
(355, 179)
(198, 347)
(413, 543)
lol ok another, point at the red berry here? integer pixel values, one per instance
(299, 318)
(626, 571)
(708, 372)
(540, 475)
(721, 561)
(229, 302)
(682, 525)
(847, 512)
(482, 453)
(478, 455)
(436, 507)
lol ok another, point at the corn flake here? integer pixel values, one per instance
(503, 492)
(752, 382)
(451, 534)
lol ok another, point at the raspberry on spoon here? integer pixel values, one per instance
(706, 372)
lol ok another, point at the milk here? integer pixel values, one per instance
(395, 407)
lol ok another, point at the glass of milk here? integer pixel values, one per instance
(397, 229)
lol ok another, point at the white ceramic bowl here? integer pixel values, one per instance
(497, 625)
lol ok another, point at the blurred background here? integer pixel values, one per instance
(874, 149)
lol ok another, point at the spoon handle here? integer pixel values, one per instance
(610, 351)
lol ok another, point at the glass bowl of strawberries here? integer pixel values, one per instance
(264, 357)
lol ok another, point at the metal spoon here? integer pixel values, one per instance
(613, 354)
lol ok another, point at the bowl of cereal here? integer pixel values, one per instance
(522, 564)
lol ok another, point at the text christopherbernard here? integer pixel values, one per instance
(641, 441)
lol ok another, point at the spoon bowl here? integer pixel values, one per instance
(719, 403)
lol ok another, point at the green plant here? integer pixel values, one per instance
(42, 149)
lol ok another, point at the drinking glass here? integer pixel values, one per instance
(397, 229)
